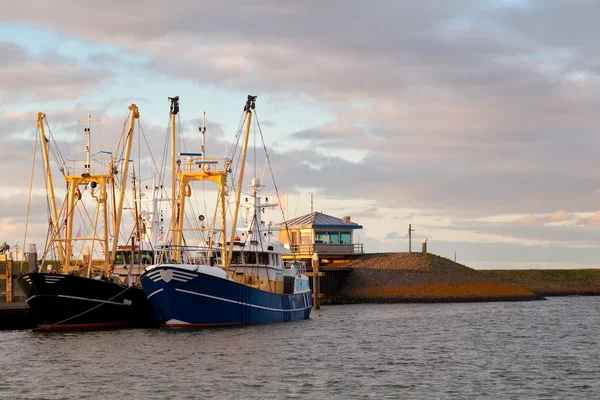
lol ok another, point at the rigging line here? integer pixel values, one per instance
(122, 137)
(157, 170)
(262, 178)
(254, 150)
(91, 309)
(37, 134)
(192, 222)
(274, 184)
(237, 137)
(51, 137)
(163, 162)
(63, 224)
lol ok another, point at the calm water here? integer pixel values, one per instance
(546, 350)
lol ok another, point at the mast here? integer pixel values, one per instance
(134, 114)
(56, 224)
(87, 131)
(135, 209)
(173, 112)
(250, 105)
(203, 132)
(197, 167)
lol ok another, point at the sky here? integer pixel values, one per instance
(474, 121)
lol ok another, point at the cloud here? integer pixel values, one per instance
(593, 220)
(49, 76)
(557, 216)
(459, 109)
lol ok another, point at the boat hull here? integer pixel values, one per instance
(70, 302)
(183, 298)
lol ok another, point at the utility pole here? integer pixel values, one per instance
(410, 231)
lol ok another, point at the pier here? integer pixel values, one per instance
(16, 315)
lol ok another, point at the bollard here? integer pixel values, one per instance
(32, 258)
(9, 278)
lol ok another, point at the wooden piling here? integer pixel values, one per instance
(315, 276)
(32, 258)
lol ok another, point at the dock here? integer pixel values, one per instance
(15, 315)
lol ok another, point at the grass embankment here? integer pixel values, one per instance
(551, 282)
(418, 277)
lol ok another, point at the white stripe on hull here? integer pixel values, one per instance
(155, 292)
(239, 302)
(78, 298)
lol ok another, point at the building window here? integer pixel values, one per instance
(345, 237)
(320, 237)
(306, 237)
(334, 237)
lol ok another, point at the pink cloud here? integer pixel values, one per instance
(592, 220)
(557, 216)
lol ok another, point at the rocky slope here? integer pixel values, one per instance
(418, 277)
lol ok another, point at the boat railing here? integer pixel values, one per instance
(297, 266)
(198, 255)
(194, 163)
(327, 248)
(98, 166)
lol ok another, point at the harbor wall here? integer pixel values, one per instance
(421, 277)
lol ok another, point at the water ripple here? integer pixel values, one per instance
(544, 350)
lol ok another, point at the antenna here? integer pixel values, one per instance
(202, 130)
(87, 132)
(311, 202)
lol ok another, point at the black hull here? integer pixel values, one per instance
(70, 302)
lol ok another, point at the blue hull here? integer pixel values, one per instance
(187, 298)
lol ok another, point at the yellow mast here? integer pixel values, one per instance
(56, 223)
(203, 169)
(134, 114)
(250, 104)
(104, 201)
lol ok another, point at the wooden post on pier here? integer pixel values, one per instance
(9, 278)
(32, 258)
(315, 276)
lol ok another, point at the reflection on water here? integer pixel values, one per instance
(546, 349)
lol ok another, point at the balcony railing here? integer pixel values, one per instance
(327, 249)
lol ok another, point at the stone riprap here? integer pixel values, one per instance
(422, 277)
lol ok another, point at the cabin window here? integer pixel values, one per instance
(275, 259)
(345, 238)
(236, 258)
(251, 258)
(263, 258)
(119, 258)
(146, 258)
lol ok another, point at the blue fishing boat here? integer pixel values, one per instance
(224, 279)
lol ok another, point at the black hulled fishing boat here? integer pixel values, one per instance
(83, 293)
